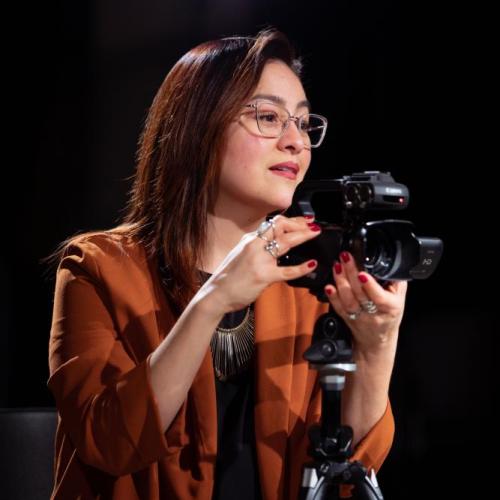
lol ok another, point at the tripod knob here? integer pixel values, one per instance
(321, 351)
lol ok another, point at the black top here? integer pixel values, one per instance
(236, 472)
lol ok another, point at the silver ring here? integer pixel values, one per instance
(369, 307)
(264, 227)
(354, 315)
(273, 248)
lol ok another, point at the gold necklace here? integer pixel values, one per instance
(233, 348)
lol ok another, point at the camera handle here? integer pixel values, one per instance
(330, 442)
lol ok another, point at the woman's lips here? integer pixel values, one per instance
(288, 170)
(285, 173)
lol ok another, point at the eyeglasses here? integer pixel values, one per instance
(272, 120)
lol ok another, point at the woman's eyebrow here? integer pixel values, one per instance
(279, 100)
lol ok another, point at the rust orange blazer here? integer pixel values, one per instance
(110, 313)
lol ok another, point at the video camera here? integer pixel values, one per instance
(387, 249)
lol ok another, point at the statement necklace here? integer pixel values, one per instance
(233, 348)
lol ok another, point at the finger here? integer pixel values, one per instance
(289, 240)
(287, 273)
(284, 224)
(349, 301)
(383, 298)
(398, 288)
(334, 298)
(350, 271)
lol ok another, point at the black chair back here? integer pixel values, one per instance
(27, 452)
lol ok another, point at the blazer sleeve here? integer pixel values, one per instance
(104, 397)
(373, 448)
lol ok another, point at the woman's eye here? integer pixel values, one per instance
(269, 117)
(304, 125)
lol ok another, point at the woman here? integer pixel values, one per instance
(176, 344)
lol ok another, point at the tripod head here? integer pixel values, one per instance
(330, 443)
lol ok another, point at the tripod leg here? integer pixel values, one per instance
(317, 488)
(367, 488)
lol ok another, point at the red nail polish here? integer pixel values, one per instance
(312, 263)
(313, 226)
(328, 291)
(362, 278)
(345, 257)
(309, 217)
(338, 267)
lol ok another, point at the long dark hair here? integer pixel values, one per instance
(180, 150)
(179, 155)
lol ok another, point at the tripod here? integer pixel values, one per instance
(330, 443)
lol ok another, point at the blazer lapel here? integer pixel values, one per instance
(202, 398)
(275, 324)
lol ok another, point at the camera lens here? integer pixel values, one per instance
(375, 250)
(378, 251)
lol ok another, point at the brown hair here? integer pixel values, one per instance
(180, 150)
(178, 160)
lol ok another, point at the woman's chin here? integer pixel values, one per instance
(277, 202)
(281, 203)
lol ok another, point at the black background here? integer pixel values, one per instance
(406, 88)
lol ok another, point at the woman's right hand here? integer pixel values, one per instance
(249, 268)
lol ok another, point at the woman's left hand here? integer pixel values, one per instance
(356, 294)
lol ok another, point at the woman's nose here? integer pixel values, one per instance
(292, 138)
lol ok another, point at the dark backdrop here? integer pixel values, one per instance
(405, 88)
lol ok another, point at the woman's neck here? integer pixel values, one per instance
(223, 234)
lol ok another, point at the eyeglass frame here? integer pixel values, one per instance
(296, 119)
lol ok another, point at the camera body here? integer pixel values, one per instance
(388, 249)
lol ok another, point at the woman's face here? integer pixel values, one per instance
(247, 181)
